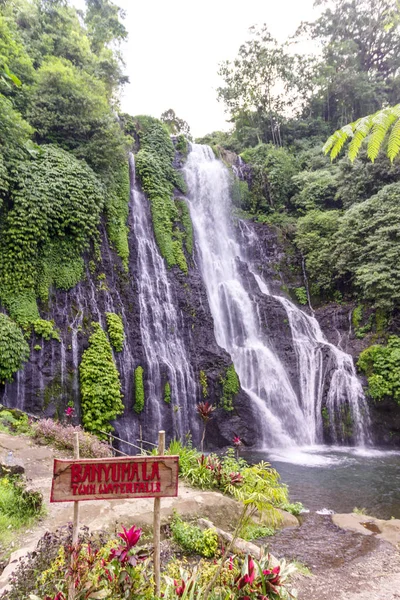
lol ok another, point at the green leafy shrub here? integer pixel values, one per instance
(167, 393)
(19, 507)
(356, 316)
(230, 387)
(100, 384)
(192, 539)
(46, 330)
(139, 390)
(301, 295)
(381, 365)
(115, 328)
(254, 531)
(14, 350)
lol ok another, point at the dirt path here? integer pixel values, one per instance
(345, 565)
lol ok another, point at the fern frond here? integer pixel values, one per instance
(394, 141)
(337, 140)
(361, 129)
(381, 123)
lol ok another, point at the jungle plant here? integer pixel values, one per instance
(204, 410)
(230, 387)
(167, 393)
(14, 350)
(139, 390)
(100, 384)
(381, 365)
(115, 328)
(194, 540)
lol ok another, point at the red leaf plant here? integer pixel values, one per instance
(122, 552)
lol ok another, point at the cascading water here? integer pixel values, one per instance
(288, 418)
(160, 327)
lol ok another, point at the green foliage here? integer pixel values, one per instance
(315, 189)
(301, 295)
(356, 316)
(182, 145)
(294, 508)
(314, 238)
(115, 328)
(46, 330)
(381, 365)
(254, 531)
(203, 383)
(272, 172)
(19, 508)
(154, 166)
(167, 393)
(139, 390)
(175, 125)
(186, 221)
(100, 384)
(366, 247)
(55, 214)
(256, 485)
(14, 350)
(192, 539)
(230, 387)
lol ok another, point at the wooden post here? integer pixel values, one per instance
(157, 522)
(76, 504)
(75, 526)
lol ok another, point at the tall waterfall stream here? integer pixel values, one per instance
(286, 417)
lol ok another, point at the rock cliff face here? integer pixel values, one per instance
(51, 377)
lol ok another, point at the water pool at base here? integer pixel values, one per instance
(339, 478)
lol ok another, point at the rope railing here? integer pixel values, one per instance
(114, 437)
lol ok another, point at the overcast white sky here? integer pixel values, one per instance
(175, 46)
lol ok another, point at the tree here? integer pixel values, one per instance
(175, 124)
(263, 84)
(359, 70)
(103, 20)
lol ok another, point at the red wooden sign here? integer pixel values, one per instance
(115, 478)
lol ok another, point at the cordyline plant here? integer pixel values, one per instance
(204, 410)
(246, 579)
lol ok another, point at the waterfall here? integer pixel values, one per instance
(160, 329)
(288, 417)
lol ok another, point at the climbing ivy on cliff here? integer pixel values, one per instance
(54, 217)
(115, 328)
(100, 385)
(381, 365)
(230, 387)
(158, 177)
(139, 390)
(14, 350)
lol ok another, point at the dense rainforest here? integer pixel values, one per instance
(65, 181)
